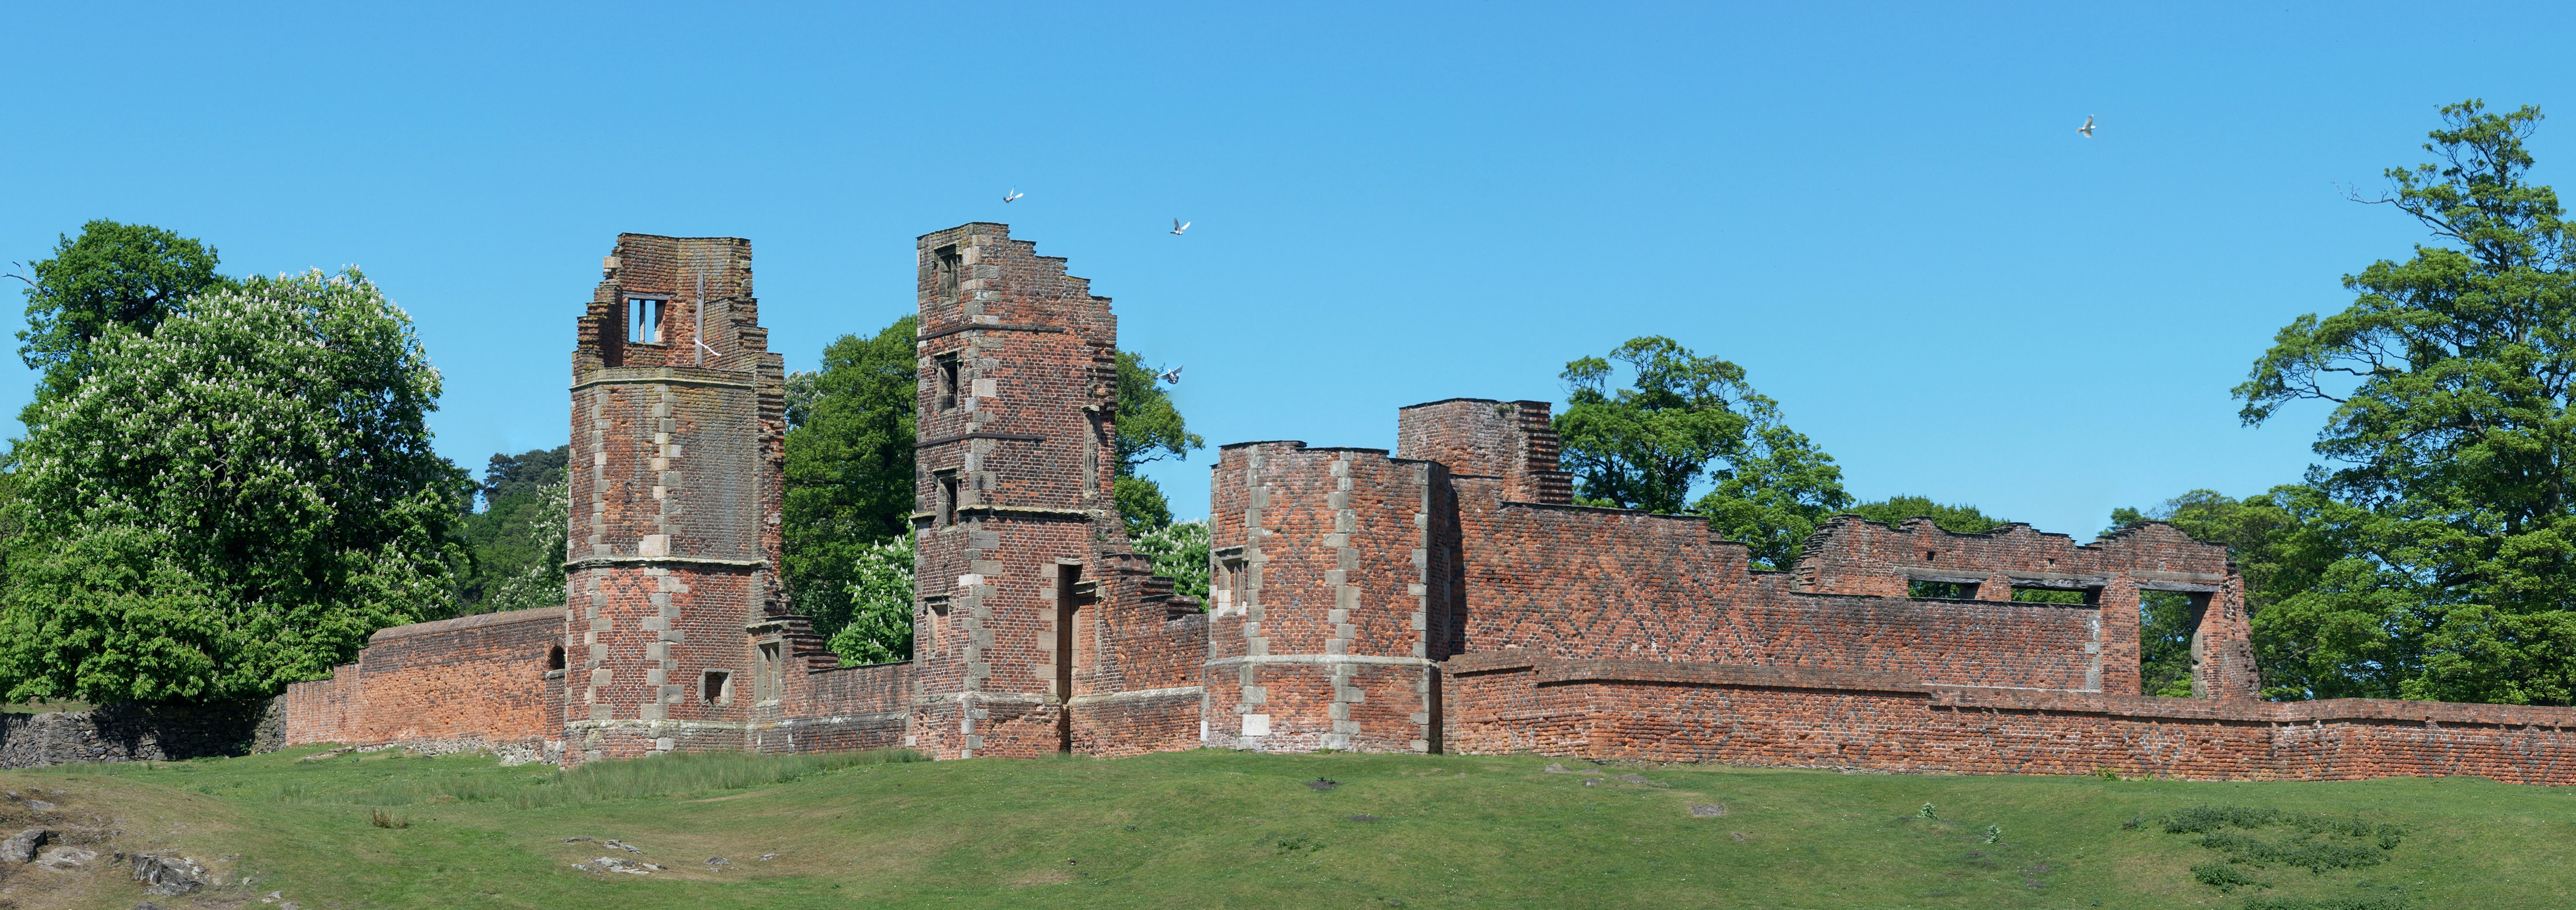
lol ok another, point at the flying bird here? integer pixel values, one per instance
(2087, 129)
(1013, 194)
(1174, 375)
(1178, 225)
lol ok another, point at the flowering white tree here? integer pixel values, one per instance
(542, 584)
(880, 628)
(231, 503)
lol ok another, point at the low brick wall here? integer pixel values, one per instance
(136, 732)
(470, 679)
(862, 706)
(1768, 715)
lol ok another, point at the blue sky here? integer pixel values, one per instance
(1882, 212)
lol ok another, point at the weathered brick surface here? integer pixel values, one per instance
(1447, 597)
(1663, 711)
(1326, 639)
(1041, 632)
(471, 678)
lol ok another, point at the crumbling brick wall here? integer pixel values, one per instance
(839, 708)
(1030, 611)
(1850, 555)
(1770, 715)
(675, 475)
(482, 677)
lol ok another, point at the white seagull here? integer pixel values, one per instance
(1013, 194)
(1178, 225)
(1174, 376)
(2087, 129)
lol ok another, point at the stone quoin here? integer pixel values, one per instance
(1443, 597)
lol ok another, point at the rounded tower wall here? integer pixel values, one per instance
(1321, 638)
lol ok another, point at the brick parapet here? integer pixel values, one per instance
(1510, 440)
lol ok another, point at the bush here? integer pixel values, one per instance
(2222, 876)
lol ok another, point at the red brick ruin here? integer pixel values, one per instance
(1446, 598)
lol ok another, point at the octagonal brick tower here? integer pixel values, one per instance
(674, 624)
(1020, 548)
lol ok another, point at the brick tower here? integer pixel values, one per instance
(1020, 547)
(675, 622)
(1332, 599)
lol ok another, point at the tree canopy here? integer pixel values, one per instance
(2449, 379)
(1683, 418)
(133, 275)
(849, 468)
(1956, 519)
(229, 503)
(1150, 428)
(517, 540)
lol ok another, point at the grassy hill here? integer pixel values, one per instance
(1224, 829)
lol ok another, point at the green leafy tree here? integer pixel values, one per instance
(1956, 519)
(1687, 417)
(113, 274)
(230, 503)
(543, 524)
(849, 470)
(520, 530)
(2449, 377)
(880, 595)
(1150, 428)
(1179, 551)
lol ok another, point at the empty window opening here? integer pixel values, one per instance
(555, 658)
(644, 320)
(2168, 628)
(949, 265)
(946, 507)
(1943, 590)
(2049, 595)
(1930, 555)
(1068, 617)
(1229, 589)
(715, 687)
(944, 368)
(773, 673)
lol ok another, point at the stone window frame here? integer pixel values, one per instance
(661, 309)
(772, 677)
(722, 679)
(947, 381)
(948, 271)
(1230, 566)
(947, 487)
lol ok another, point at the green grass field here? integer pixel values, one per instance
(1224, 829)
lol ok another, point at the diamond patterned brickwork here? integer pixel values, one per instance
(1446, 598)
